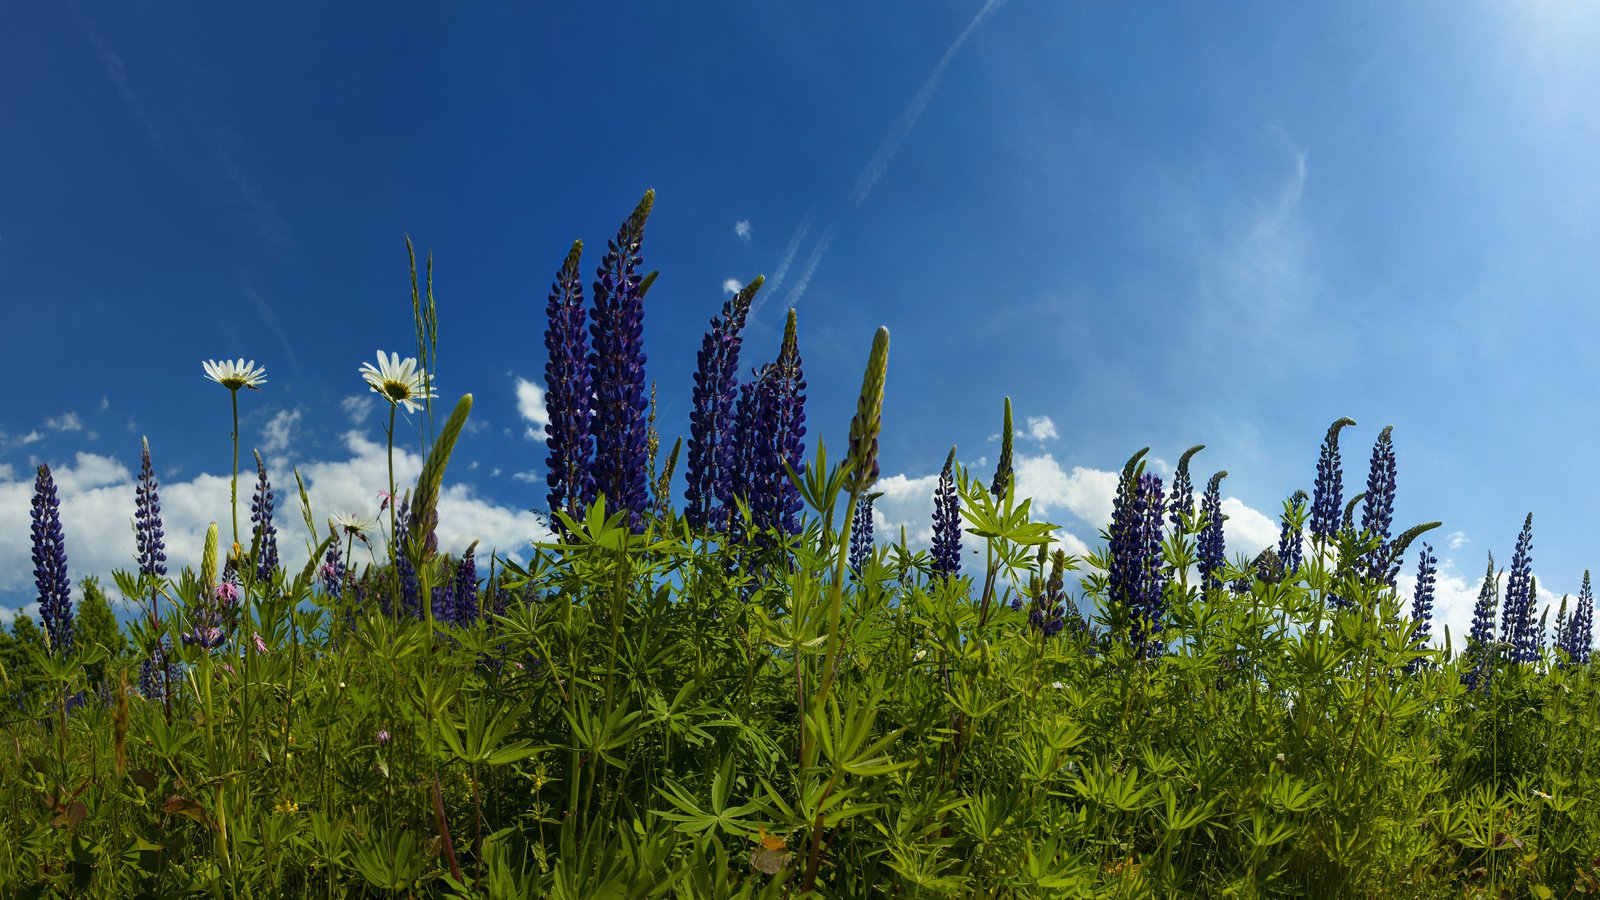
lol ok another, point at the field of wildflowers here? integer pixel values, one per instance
(750, 696)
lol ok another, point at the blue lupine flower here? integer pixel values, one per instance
(861, 533)
(263, 534)
(567, 394)
(1480, 639)
(1328, 492)
(782, 414)
(410, 588)
(1583, 622)
(464, 589)
(1422, 599)
(1182, 502)
(947, 523)
(744, 471)
(711, 425)
(332, 571)
(1291, 549)
(147, 521)
(1516, 622)
(1137, 578)
(50, 564)
(1377, 512)
(1212, 556)
(616, 363)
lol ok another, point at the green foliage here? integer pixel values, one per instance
(97, 627)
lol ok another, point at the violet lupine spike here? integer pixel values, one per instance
(332, 572)
(1583, 627)
(1182, 502)
(410, 588)
(711, 422)
(264, 535)
(1422, 599)
(616, 361)
(465, 588)
(1562, 639)
(1212, 554)
(1516, 620)
(1148, 596)
(147, 528)
(1328, 492)
(784, 415)
(568, 388)
(1377, 512)
(1291, 549)
(1480, 640)
(50, 564)
(1051, 608)
(947, 523)
(861, 533)
(743, 473)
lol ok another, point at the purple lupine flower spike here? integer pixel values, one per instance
(50, 564)
(947, 523)
(1149, 596)
(1516, 621)
(264, 535)
(1212, 554)
(711, 422)
(465, 588)
(567, 393)
(1328, 492)
(1377, 511)
(1481, 638)
(1422, 600)
(1182, 502)
(147, 521)
(1583, 622)
(743, 473)
(861, 533)
(617, 363)
(1291, 549)
(783, 413)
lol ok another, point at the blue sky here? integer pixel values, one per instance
(1152, 225)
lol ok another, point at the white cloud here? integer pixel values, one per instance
(529, 477)
(731, 286)
(97, 503)
(1247, 530)
(278, 433)
(742, 229)
(1458, 539)
(530, 405)
(69, 421)
(358, 407)
(105, 403)
(1041, 428)
(31, 437)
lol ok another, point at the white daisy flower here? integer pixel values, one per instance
(399, 381)
(350, 525)
(235, 374)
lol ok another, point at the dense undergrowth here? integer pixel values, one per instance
(754, 700)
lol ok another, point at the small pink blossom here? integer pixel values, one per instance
(385, 496)
(382, 737)
(228, 592)
(261, 646)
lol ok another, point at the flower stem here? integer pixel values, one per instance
(394, 558)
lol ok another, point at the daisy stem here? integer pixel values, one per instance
(233, 486)
(394, 558)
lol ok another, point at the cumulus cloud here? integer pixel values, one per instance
(528, 477)
(105, 403)
(742, 229)
(358, 407)
(97, 502)
(1458, 539)
(530, 405)
(69, 421)
(1041, 428)
(278, 433)
(731, 286)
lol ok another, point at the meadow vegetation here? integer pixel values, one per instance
(748, 695)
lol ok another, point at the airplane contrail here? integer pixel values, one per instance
(914, 110)
(799, 289)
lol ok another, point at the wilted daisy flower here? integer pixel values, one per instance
(235, 374)
(399, 381)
